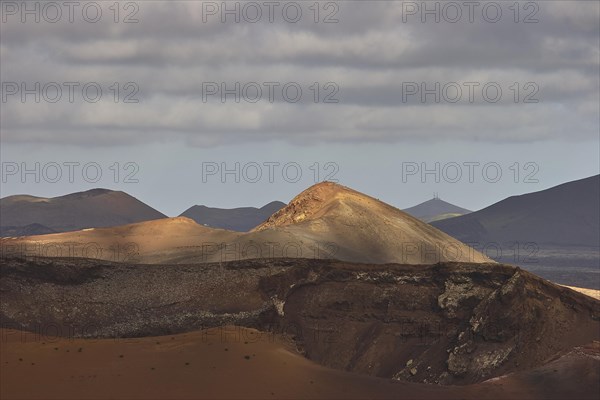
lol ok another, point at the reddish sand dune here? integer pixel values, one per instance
(235, 362)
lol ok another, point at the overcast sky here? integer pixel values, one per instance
(367, 93)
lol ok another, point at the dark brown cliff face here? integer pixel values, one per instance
(449, 323)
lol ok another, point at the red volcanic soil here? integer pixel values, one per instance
(234, 362)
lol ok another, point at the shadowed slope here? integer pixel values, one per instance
(89, 209)
(564, 215)
(435, 209)
(240, 219)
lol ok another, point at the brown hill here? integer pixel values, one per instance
(364, 229)
(325, 221)
(148, 242)
(90, 209)
(564, 215)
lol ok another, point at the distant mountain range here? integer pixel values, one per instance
(27, 230)
(326, 220)
(240, 219)
(435, 210)
(29, 215)
(564, 215)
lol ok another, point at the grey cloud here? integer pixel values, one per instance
(369, 53)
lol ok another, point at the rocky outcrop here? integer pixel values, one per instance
(448, 323)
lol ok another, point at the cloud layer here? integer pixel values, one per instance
(367, 66)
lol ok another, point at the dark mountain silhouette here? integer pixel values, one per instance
(435, 210)
(30, 215)
(564, 215)
(27, 230)
(240, 219)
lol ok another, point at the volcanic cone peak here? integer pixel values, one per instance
(309, 204)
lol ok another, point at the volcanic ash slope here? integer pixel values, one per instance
(326, 221)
